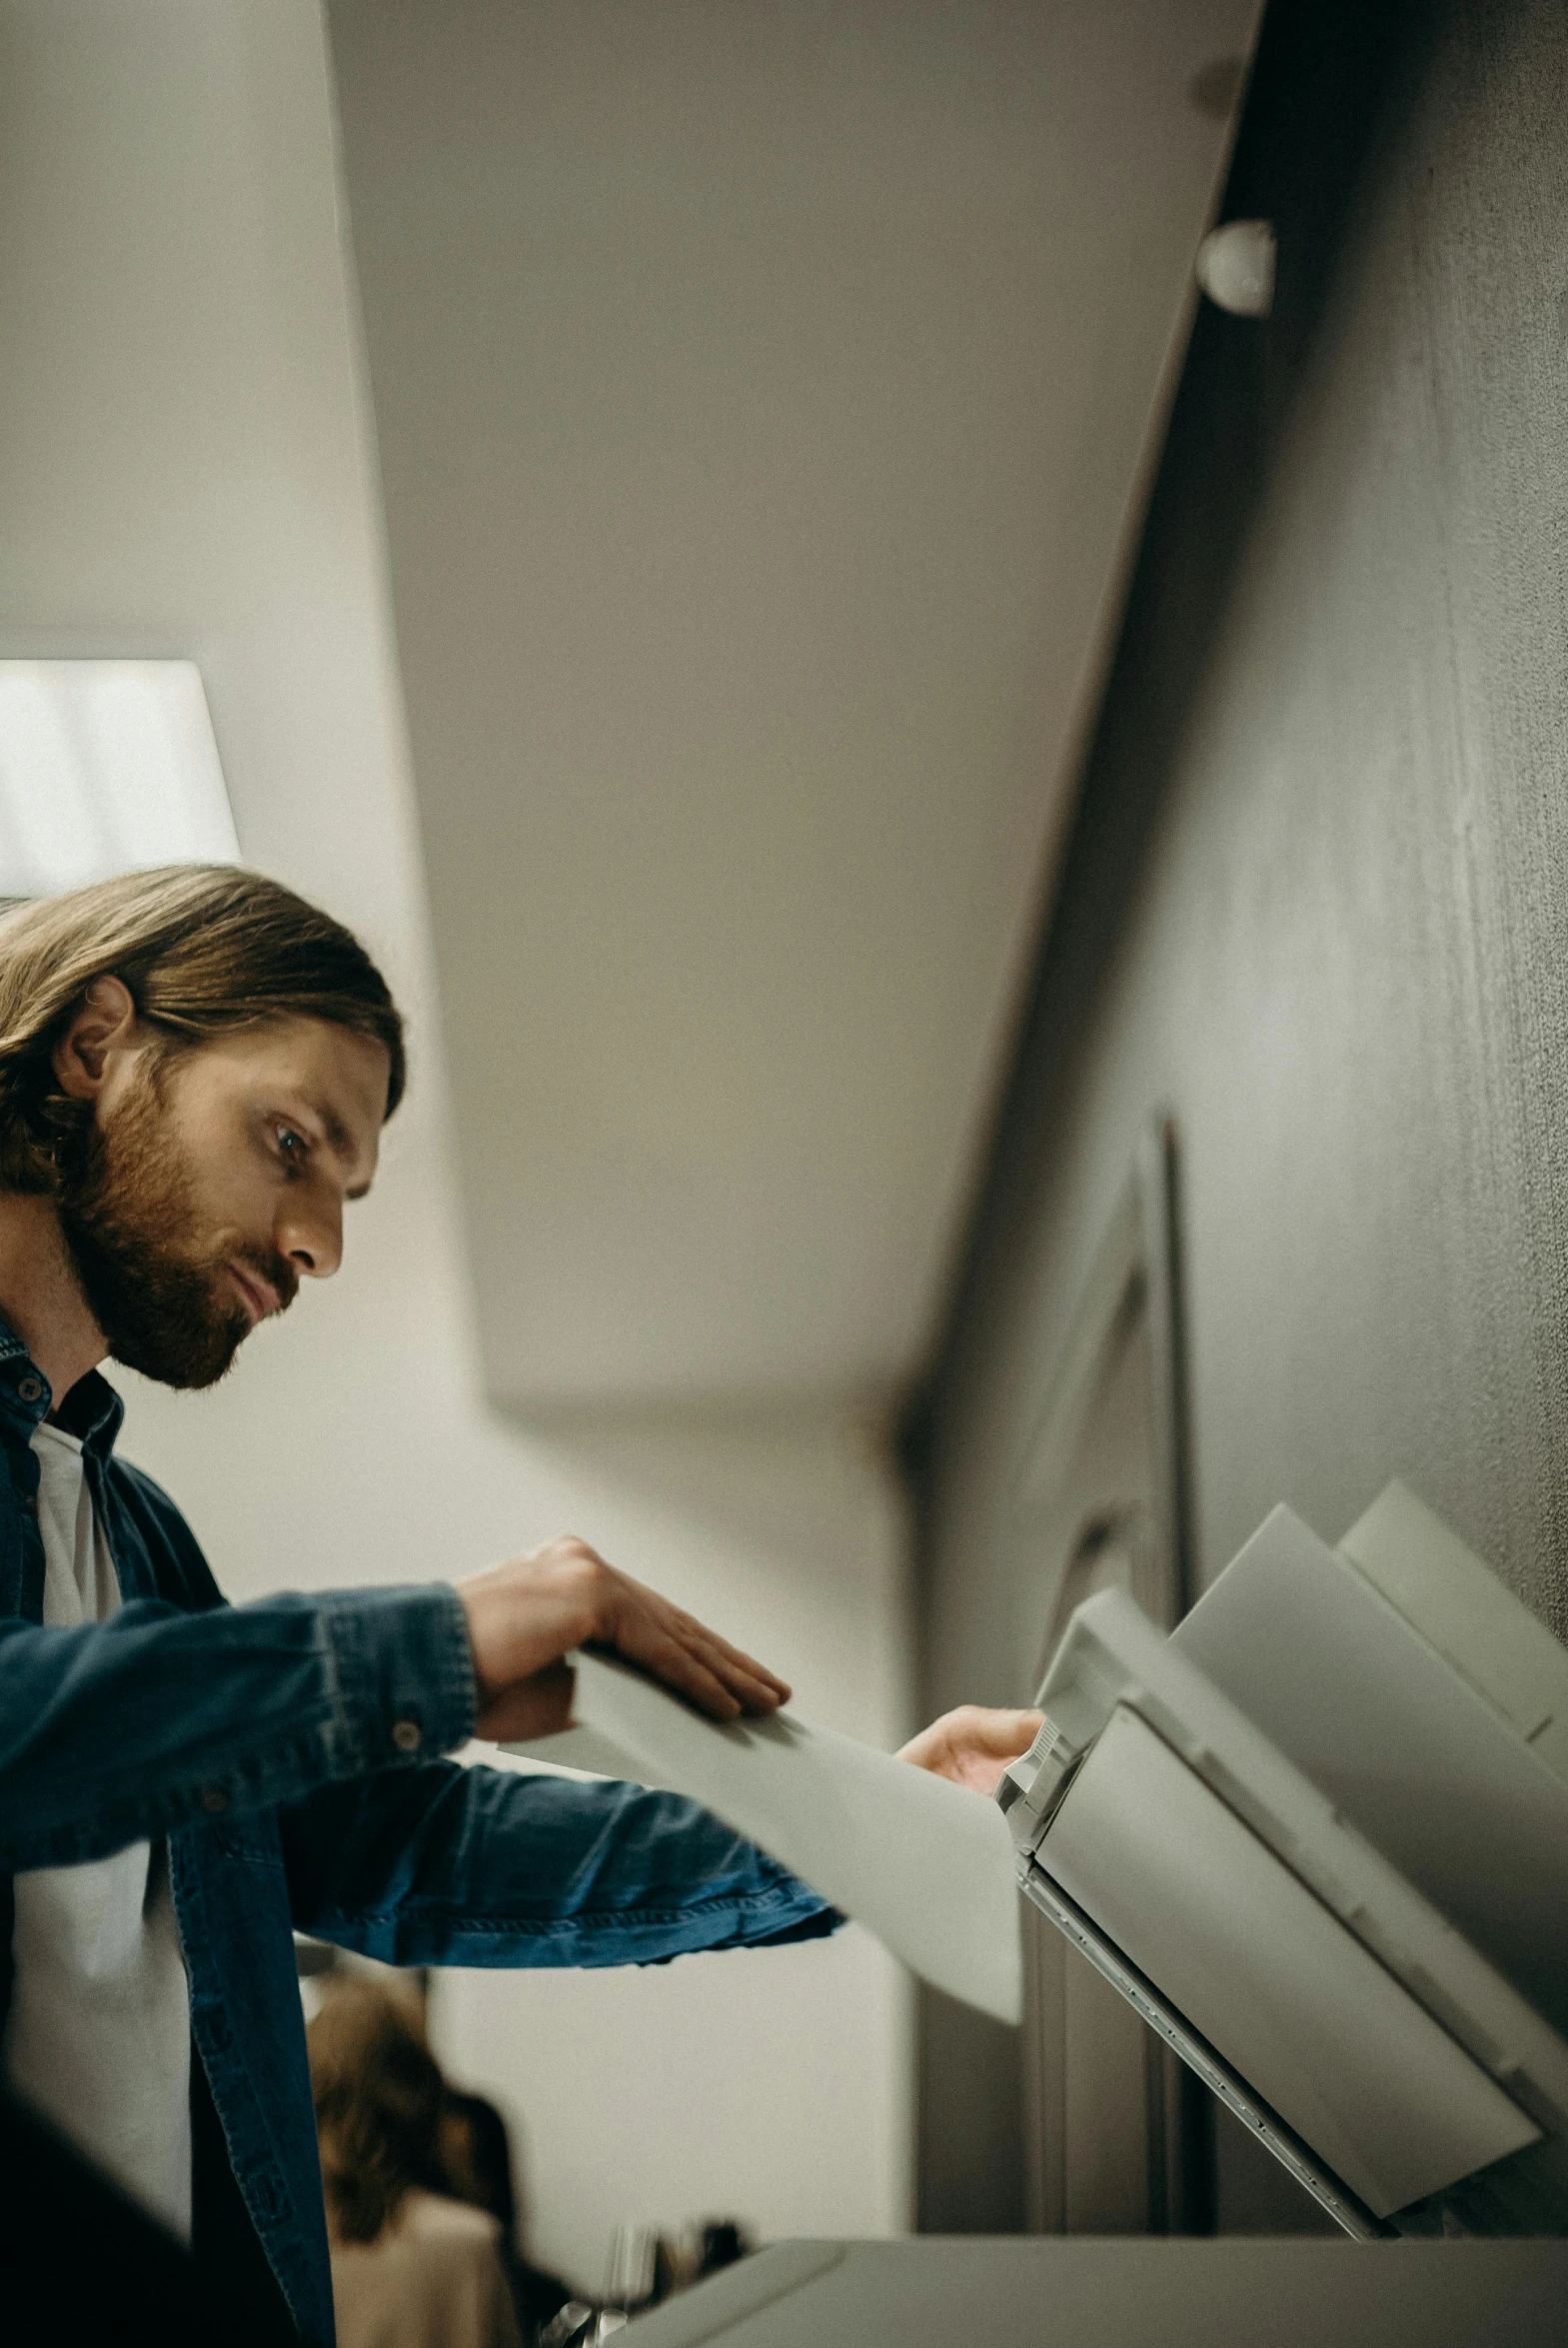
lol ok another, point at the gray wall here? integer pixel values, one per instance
(1316, 902)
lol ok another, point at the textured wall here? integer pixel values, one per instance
(1316, 898)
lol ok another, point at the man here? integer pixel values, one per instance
(195, 1068)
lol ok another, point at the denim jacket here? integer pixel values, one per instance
(289, 1750)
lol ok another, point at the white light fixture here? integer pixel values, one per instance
(106, 766)
(1236, 267)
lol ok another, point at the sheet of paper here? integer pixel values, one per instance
(924, 1865)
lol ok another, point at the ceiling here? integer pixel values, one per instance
(763, 396)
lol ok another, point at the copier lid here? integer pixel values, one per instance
(1405, 1746)
(1327, 1983)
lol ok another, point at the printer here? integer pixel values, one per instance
(1317, 1838)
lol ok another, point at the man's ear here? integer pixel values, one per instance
(105, 1025)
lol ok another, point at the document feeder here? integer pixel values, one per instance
(1319, 1839)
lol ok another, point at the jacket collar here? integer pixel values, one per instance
(26, 1399)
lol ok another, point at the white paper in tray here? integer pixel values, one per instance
(924, 1865)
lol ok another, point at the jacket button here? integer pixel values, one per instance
(408, 1736)
(29, 1388)
(214, 1800)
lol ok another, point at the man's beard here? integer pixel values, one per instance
(124, 1200)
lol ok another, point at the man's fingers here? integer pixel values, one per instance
(646, 1632)
(972, 1745)
(738, 1669)
(524, 1614)
(658, 1652)
(714, 1665)
(758, 1690)
(1005, 1733)
(718, 1677)
(744, 1665)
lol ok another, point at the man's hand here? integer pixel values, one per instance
(524, 1617)
(973, 1746)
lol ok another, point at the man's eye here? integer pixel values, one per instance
(292, 1147)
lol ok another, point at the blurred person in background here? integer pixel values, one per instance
(413, 2266)
(476, 2161)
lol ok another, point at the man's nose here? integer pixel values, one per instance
(311, 1237)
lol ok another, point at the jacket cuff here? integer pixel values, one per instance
(404, 1673)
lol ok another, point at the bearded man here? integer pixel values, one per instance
(195, 1068)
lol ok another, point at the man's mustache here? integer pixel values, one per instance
(276, 1271)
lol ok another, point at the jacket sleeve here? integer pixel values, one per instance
(477, 1866)
(133, 1727)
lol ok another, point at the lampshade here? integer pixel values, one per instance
(106, 766)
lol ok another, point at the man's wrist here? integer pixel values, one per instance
(404, 1671)
(524, 1615)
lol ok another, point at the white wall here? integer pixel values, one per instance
(185, 468)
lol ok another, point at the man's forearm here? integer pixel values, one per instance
(142, 1723)
(477, 1866)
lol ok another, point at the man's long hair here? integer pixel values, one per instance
(202, 949)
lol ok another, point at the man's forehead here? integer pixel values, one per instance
(325, 1051)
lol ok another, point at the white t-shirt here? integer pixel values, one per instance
(98, 2038)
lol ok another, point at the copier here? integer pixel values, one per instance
(1318, 1838)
